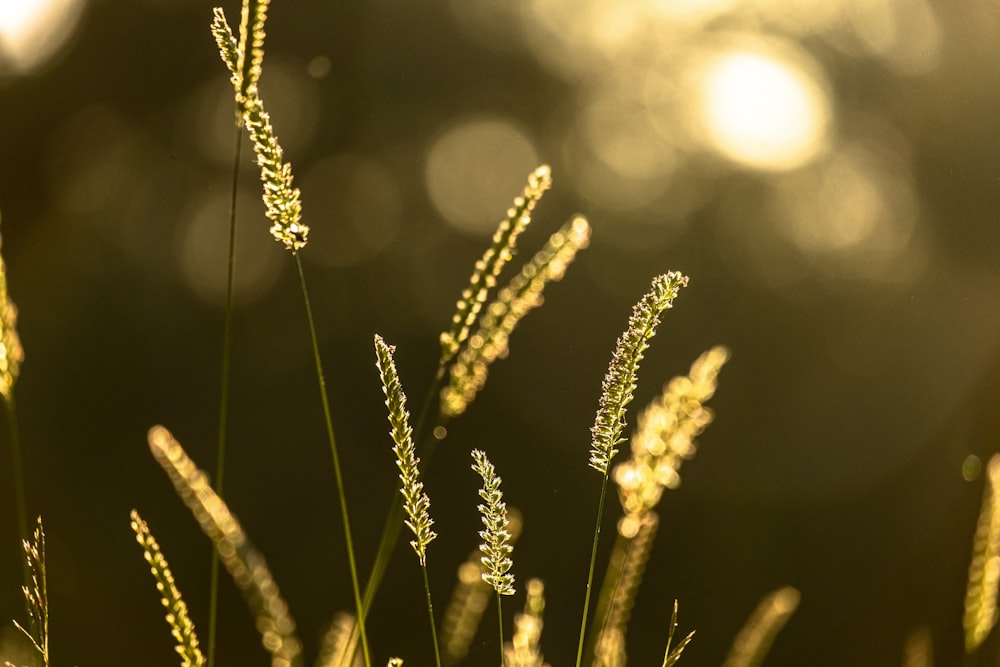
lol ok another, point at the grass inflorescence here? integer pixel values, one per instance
(477, 335)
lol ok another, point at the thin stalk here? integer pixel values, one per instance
(430, 614)
(500, 623)
(590, 575)
(227, 336)
(348, 541)
(20, 504)
(394, 518)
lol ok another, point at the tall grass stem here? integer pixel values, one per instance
(503, 662)
(227, 349)
(590, 574)
(430, 614)
(348, 541)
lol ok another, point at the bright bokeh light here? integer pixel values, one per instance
(474, 170)
(202, 244)
(857, 210)
(763, 108)
(31, 31)
(360, 198)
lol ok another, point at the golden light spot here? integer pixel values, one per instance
(361, 195)
(202, 247)
(972, 467)
(762, 105)
(473, 169)
(319, 67)
(32, 31)
(858, 209)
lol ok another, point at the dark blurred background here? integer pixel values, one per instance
(826, 172)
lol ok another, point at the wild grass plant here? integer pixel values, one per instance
(478, 335)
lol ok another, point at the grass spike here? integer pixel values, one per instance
(253, 15)
(177, 613)
(496, 257)
(754, 640)
(415, 501)
(496, 545)
(11, 358)
(664, 438)
(282, 201)
(11, 352)
(670, 657)
(616, 394)
(244, 563)
(470, 599)
(36, 595)
(523, 294)
(620, 380)
(984, 570)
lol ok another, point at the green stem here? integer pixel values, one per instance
(430, 614)
(500, 623)
(394, 518)
(590, 575)
(349, 543)
(227, 336)
(20, 504)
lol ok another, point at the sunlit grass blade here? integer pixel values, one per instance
(616, 393)
(488, 268)
(524, 293)
(753, 641)
(984, 569)
(170, 597)
(243, 562)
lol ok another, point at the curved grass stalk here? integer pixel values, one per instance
(244, 563)
(754, 640)
(483, 279)
(484, 276)
(616, 394)
(523, 294)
